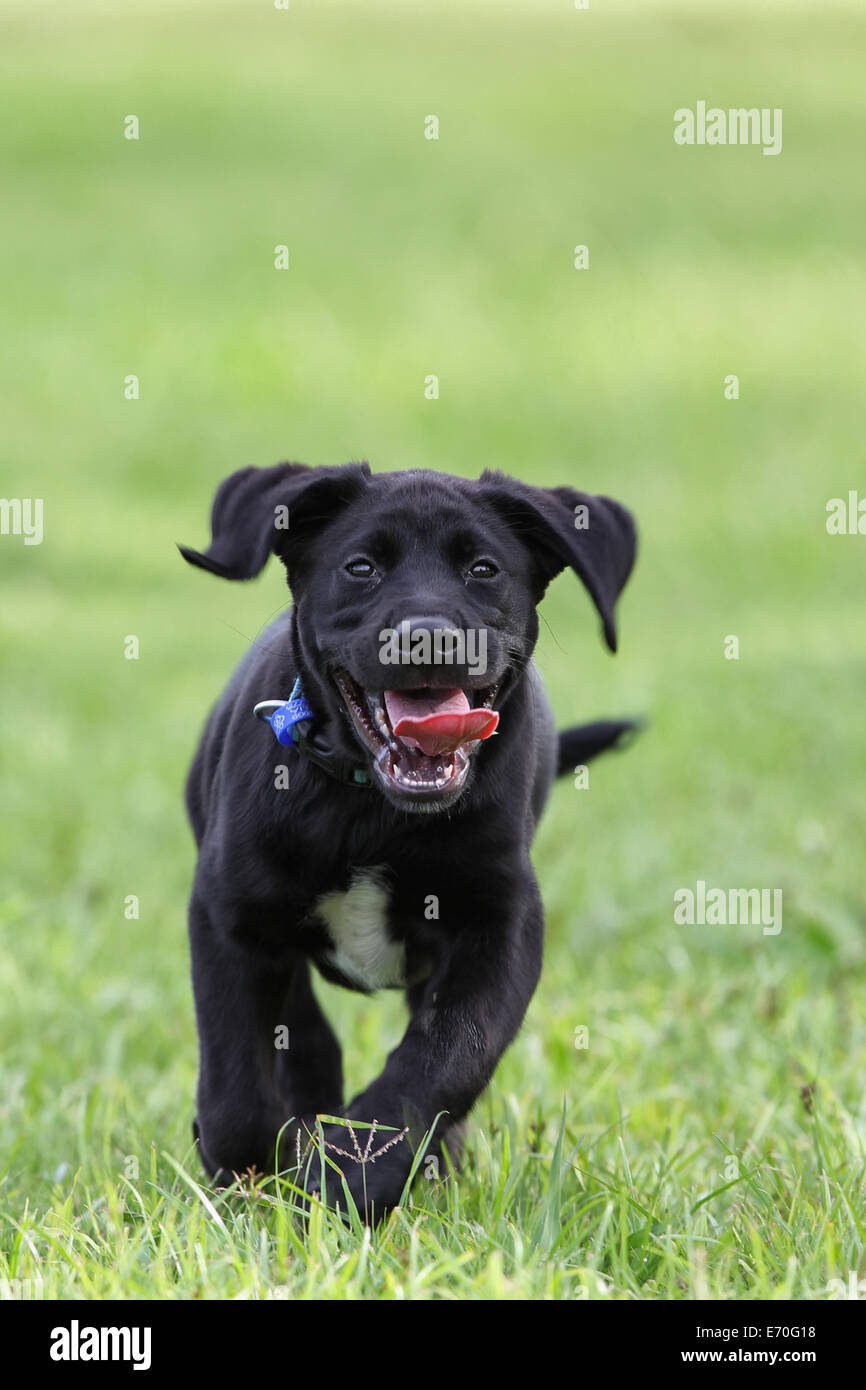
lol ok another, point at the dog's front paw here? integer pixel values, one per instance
(374, 1160)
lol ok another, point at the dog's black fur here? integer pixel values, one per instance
(267, 856)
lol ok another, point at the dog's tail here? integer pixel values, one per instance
(578, 745)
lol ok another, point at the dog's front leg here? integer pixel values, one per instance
(266, 1053)
(465, 1016)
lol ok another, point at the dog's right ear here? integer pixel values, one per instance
(258, 512)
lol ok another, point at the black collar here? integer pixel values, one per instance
(316, 749)
(293, 723)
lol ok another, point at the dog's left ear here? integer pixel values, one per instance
(562, 528)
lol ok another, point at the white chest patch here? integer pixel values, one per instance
(356, 923)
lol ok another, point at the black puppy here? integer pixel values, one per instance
(385, 839)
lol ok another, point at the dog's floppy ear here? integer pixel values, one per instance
(258, 512)
(595, 536)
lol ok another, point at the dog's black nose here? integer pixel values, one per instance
(434, 650)
(431, 625)
(437, 640)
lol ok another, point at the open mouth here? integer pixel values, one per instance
(421, 740)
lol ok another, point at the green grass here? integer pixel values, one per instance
(601, 1172)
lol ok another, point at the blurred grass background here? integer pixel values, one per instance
(454, 257)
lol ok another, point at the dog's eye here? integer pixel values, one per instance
(361, 568)
(483, 569)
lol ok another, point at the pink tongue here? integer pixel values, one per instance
(439, 722)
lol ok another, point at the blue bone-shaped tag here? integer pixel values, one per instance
(284, 719)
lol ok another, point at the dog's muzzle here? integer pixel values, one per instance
(420, 739)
